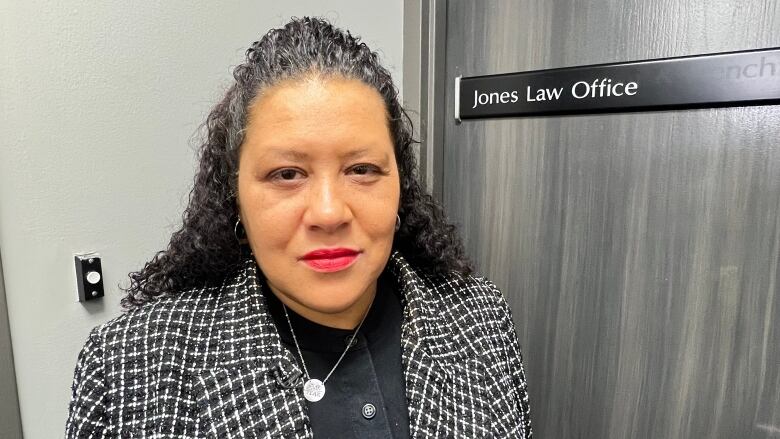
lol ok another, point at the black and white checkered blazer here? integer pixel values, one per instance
(208, 363)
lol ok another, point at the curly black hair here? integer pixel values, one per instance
(205, 249)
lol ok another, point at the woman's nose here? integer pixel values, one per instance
(327, 209)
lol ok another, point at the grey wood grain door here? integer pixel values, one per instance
(639, 251)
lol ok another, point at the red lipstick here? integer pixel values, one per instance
(328, 260)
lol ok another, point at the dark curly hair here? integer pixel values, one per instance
(205, 249)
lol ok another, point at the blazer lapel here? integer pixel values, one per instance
(445, 386)
(254, 389)
(252, 392)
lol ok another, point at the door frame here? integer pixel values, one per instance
(424, 84)
(9, 398)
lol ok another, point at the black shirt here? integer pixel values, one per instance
(365, 396)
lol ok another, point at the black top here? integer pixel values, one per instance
(365, 396)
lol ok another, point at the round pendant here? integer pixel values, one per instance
(313, 390)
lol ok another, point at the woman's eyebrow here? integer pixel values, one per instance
(362, 152)
(289, 154)
(300, 156)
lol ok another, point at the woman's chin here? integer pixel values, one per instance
(331, 307)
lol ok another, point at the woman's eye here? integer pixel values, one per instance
(365, 169)
(287, 174)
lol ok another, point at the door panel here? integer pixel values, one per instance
(640, 251)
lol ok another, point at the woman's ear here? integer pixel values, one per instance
(234, 192)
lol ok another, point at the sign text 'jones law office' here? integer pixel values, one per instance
(717, 80)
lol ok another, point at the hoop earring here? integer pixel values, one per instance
(242, 240)
(397, 222)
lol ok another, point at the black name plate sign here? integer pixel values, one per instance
(716, 80)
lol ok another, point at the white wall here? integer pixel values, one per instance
(98, 104)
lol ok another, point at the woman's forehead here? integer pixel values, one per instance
(342, 113)
(302, 154)
(319, 95)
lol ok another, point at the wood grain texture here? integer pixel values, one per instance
(639, 252)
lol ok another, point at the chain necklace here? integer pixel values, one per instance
(314, 389)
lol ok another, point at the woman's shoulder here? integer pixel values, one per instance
(451, 286)
(170, 315)
(191, 303)
(465, 288)
(470, 302)
(470, 312)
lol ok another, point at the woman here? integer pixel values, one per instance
(314, 288)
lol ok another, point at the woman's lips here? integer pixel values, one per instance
(330, 260)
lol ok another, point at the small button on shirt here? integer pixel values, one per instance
(365, 396)
(369, 411)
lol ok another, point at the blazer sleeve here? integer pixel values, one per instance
(87, 412)
(513, 358)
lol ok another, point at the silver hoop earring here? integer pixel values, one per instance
(241, 239)
(397, 222)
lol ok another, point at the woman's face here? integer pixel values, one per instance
(318, 194)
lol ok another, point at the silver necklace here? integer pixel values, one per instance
(314, 389)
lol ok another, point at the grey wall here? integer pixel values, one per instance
(98, 103)
(640, 252)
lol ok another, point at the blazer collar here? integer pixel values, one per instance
(254, 365)
(247, 307)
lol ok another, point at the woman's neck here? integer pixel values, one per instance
(346, 319)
